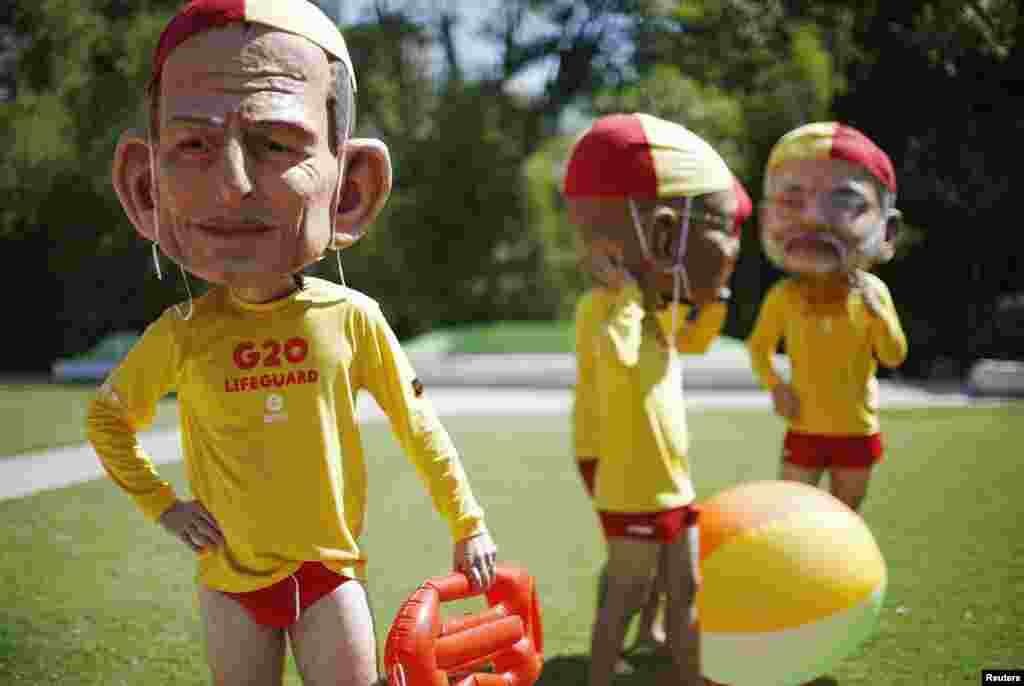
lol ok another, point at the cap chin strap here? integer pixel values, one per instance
(334, 219)
(680, 282)
(155, 187)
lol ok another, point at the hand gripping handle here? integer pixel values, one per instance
(421, 650)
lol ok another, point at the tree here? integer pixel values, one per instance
(962, 61)
(71, 64)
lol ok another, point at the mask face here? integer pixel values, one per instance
(821, 216)
(694, 237)
(247, 179)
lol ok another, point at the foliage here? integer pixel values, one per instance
(474, 230)
(57, 137)
(962, 62)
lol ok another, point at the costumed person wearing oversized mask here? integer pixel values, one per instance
(700, 326)
(656, 209)
(827, 217)
(248, 174)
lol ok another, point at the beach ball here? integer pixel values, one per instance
(792, 582)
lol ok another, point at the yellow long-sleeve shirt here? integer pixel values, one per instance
(629, 411)
(267, 398)
(834, 349)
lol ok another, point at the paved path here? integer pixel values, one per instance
(32, 472)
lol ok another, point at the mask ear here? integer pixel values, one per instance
(365, 189)
(893, 226)
(133, 182)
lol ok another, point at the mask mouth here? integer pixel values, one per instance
(821, 248)
(231, 228)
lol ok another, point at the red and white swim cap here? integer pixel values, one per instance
(296, 16)
(641, 156)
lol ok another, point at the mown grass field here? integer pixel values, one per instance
(92, 594)
(40, 416)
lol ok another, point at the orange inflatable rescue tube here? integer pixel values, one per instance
(423, 650)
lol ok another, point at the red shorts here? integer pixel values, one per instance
(814, 451)
(660, 527)
(280, 604)
(588, 471)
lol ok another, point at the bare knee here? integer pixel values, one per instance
(627, 591)
(629, 577)
(682, 582)
(850, 486)
(681, 572)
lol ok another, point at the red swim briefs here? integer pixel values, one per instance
(815, 451)
(281, 604)
(658, 527)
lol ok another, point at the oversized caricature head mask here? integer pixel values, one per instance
(659, 192)
(247, 174)
(829, 201)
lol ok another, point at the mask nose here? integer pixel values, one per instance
(812, 212)
(235, 183)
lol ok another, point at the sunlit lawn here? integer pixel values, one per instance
(38, 416)
(90, 593)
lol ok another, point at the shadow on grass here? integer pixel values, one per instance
(8, 643)
(572, 669)
(564, 669)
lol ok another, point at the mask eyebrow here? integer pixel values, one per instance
(288, 126)
(262, 126)
(194, 120)
(778, 184)
(856, 186)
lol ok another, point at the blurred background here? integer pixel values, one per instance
(479, 101)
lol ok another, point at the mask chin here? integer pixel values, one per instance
(810, 265)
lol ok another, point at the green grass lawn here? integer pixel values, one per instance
(514, 337)
(39, 416)
(497, 337)
(90, 593)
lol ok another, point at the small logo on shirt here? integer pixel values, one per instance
(640, 529)
(275, 409)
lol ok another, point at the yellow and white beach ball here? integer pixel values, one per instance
(792, 582)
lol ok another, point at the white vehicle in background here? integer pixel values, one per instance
(95, 364)
(996, 377)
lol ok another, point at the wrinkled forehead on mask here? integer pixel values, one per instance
(300, 17)
(837, 180)
(836, 142)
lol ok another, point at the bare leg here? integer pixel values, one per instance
(240, 652)
(681, 571)
(850, 485)
(333, 641)
(631, 567)
(651, 632)
(806, 475)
